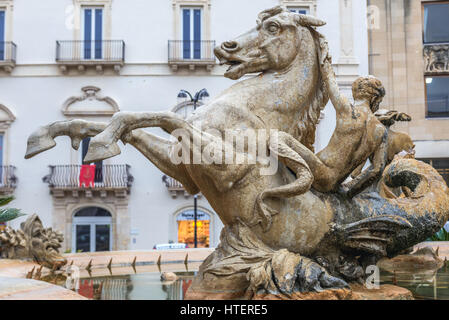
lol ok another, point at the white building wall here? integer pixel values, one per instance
(36, 90)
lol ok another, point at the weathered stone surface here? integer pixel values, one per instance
(386, 292)
(27, 289)
(295, 225)
(168, 276)
(357, 292)
(35, 242)
(425, 259)
(213, 295)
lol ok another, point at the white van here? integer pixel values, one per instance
(169, 246)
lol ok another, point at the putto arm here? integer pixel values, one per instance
(340, 102)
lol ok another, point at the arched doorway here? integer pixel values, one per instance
(92, 230)
(186, 228)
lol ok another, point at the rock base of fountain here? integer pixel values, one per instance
(357, 292)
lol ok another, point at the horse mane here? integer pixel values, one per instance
(305, 130)
(309, 118)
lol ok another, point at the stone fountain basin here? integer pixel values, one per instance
(15, 286)
(28, 289)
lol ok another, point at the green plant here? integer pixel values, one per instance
(441, 235)
(8, 214)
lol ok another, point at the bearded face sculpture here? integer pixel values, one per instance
(35, 242)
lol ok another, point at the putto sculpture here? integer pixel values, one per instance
(290, 224)
(33, 241)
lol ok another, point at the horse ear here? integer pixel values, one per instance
(309, 21)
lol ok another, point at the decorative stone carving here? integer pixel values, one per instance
(296, 228)
(91, 103)
(436, 58)
(6, 117)
(33, 241)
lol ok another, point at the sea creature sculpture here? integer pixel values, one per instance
(33, 241)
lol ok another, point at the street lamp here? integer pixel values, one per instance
(198, 96)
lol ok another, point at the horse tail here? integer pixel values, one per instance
(424, 200)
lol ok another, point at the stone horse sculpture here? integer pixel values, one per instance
(280, 236)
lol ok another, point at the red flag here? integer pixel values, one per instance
(87, 175)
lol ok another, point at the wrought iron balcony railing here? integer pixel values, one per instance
(174, 186)
(113, 176)
(84, 53)
(8, 52)
(104, 50)
(191, 52)
(8, 179)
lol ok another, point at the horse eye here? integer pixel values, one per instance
(273, 28)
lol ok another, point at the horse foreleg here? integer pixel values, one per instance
(43, 138)
(104, 145)
(158, 150)
(154, 148)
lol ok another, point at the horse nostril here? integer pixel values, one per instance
(230, 45)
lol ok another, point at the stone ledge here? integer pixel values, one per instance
(357, 292)
(27, 289)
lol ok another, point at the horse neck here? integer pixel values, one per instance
(300, 80)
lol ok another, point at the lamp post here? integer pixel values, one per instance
(198, 96)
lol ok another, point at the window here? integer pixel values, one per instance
(1, 150)
(436, 28)
(186, 228)
(300, 10)
(191, 32)
(437, 92)
(2, 182)
(441, 165)
(2, 35)
(93, 32)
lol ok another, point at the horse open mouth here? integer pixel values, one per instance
(232, 64)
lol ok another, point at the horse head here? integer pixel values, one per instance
(272, 45)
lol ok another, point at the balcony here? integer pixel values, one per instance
(175, 187)
(8, 51)
(191, 54)
(114, 178)
(84, 54)
(8, 180)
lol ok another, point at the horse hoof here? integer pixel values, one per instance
(38, 142)
(98, 151)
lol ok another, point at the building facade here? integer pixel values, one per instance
(409, 52)
(66, 59)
